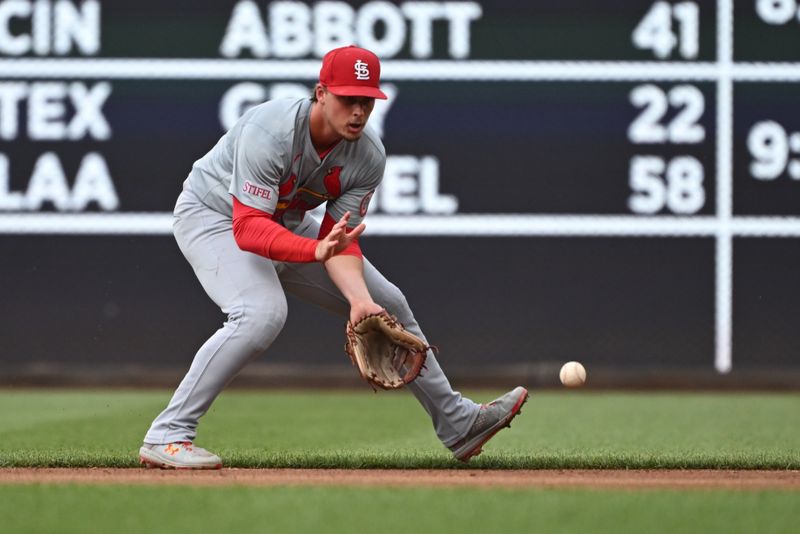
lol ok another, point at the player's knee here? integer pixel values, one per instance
(262, 322)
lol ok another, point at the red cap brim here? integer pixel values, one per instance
(358, 90)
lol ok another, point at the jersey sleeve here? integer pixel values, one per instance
(254, 231)
(258, 163)
(356, 199)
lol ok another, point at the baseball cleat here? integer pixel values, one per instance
(179, 455)
(492, 418)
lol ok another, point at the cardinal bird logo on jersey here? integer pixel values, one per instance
(306, 198)
(286, 188)
(333, 182)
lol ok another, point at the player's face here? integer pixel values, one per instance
(347, 115)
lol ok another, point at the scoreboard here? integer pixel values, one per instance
(617, 181)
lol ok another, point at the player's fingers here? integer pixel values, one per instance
(336, 234)
(338, 228)
(355, 232)
(341, 223)
(351, 230)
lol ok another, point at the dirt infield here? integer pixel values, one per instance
(518, 479)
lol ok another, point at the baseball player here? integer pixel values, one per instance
(241, 223)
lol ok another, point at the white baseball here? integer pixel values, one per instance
(572, 374)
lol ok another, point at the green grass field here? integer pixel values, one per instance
(362, 429)
(241, 510)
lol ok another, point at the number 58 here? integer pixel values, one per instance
(656, 184)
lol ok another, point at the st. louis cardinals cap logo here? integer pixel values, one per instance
(351, 71)
(362, 70)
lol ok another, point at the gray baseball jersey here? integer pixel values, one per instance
(267, 161)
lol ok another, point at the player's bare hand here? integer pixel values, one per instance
(338, 239)
(360, 309)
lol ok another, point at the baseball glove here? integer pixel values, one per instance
(386, 354)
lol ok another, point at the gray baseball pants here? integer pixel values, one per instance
(250, 291)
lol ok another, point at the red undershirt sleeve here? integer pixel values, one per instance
(256, 232)
(353, 249)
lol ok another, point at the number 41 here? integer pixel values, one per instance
(655, 30)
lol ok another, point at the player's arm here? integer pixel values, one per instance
(256, 232)
(346, 269)
(347, 272)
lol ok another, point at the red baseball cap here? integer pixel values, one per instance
(351, 71)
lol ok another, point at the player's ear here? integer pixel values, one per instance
(319, 92)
